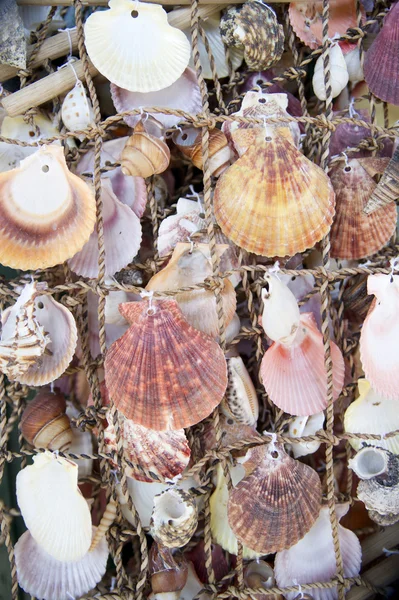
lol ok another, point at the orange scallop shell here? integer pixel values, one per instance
(162, 373)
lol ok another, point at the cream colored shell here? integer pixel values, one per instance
(339, 76)
(77, 111)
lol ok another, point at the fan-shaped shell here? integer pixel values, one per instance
(174, 518)
(354, 234)
(188, 267)
(53, 508)
(144, 154)
(312, 559)
(122, 238)
(241, 401)
(348, 135)
(183, 94)
(47, 578)
(134, 46)
(47, 213)
(381, 63)
(44, 423)
(339, 75)
(280, 317)
(272, 200)
(295, 377)
(276, 503)
(77, 111)
(185, 374)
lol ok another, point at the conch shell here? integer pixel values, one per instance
(44, 423)
(144, 154)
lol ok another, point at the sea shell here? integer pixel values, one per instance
(53, 508)
(348, 135)
(302, 427)
(174, 518)
(306, 20)
(372, 413)
(212, 32)
(241, 401)
(351, 54)
(185, 376)
(112, 302)
(387, 190)
(183, 94)
(144, 154)
(134, 46)
(82, 443)
(381, 61)
(263, 201)
(44, 423)
(384, 520)
(253, 80)
(189, 142)
(152, 454)
(339, 75)
(354, 234)
(294, 375)
(12, 38)
(276, 503)
(187, 267)
(47, 578)
(254, 27)
(188, 219)
(168, 572)
(312, 559)
(259, 574)
(106, 521)
(379, 337)
(129, 190)
(381, 493)
(277, 300)
(355, 298)
(47, 213)
(76, 110)
(122, 238)
(369, 462)
(197, 557)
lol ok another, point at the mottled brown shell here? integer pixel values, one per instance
(144, 154)
(387, 190)
(168, 572)
(189, 142)
(174, 518)
(356, 299)
(162, 373)
(44, 423)
(274, 506)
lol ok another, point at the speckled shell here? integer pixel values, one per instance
(77, 111)
(381, 493)
(47, 213)
(356, 300)
(44, 423)
(174, 518)
(144, 154)
(384, 520)
(189, 142)
(12, 36)
(354, 234)
(185, 374)
(276, 503)
(387, 190)
(255, 27)
(273, 201)
(241, 401)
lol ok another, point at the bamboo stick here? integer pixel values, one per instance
(45, 89)
(181, 17)
(381, 575)
(52, 48)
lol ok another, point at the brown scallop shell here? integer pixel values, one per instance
(44, 423)
(354, 234)
(144, 154)
(162, 373)
(276, 503)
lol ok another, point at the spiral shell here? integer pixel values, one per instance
(44, 423)
(144, 154)
(189, 142)
(174, 518)
(106, 521)
(339, 75)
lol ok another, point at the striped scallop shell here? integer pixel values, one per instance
(273, 201)
(276, 503)
(174, 518)
(162, 373)
(354, 234)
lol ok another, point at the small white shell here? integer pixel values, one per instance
(369, 462)
(302, 427)
(339, 76)
(280, 318)
(174, 518)
(354, 65)
(77, 111)
(82, 443)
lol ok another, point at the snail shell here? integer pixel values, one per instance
(189, 142)
(44, 423)
(168, 572)
(144, 154)
(174, 518)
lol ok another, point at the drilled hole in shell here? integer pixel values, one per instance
(347, 169)
(150, 312)
(134, 14)
(40, 305)
(45, 168)
(184, 136)
(274, 454)
(268, 139)
(262, 100)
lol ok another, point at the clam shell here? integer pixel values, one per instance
(183, 94)
(185, 376)
(295, 377)
(47, 578)
(276, 503)
(174, 518)
(241, 401)
(47, 213)
(339, 75)
(272, 200)
(77, 111)
(122, 238)
(354, 234)
(381, 62)
(53, 508)
(12, 36)
(312, 559)
(44, 423)
(135, 47)
(302, 427)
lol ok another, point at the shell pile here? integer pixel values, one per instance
(199, 316)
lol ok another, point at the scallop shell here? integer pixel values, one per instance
(183, 94)
(12, 36)
(272, 200)
(281, 316)
(372, 413)
(189, 142)
(188, 267)
(354, 234)
(339, 75)
(152, 454)
(134, 46)
(348, 135)
(44, 423)
(381, 62)
(294, 375)
(144, 154)
(312, 559)
(185, 376)
(76, 110)
(53, 508)
(47, 578)
(129, 190)
(122, 238)
(369, 462)
(379, 337)
(174, 518)
(276, 503)
(47, 212)
(241, 401)
(302, 427)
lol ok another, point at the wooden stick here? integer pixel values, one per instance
(52, 48)
(372, 546)
(381, 575)
(45, 89)
(181, 17)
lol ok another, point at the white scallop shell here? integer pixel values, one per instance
(134, 46)
(280, 317)
(339, 76)
(47, 578)
(112, 301)
(77, 111)
(302, 427)
(53, 508)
